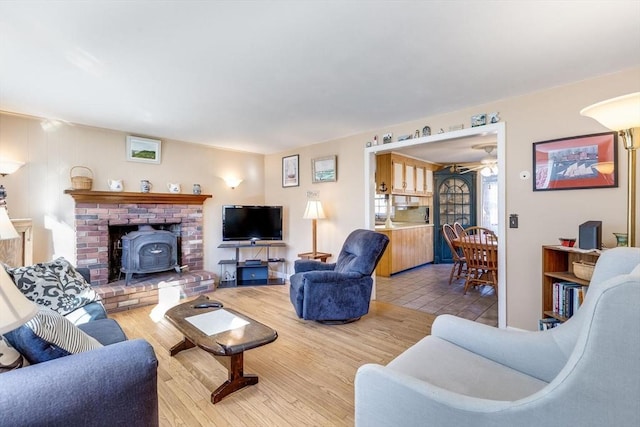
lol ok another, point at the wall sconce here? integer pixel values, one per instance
(622, 114)
(232, 182)
(314, 212)
(7, 167)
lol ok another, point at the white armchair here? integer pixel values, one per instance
(585, 372)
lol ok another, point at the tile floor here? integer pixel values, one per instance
(426, 288)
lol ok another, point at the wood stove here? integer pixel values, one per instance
(149, 250)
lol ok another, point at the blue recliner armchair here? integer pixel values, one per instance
(340, 292)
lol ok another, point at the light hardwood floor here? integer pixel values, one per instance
(306, 375)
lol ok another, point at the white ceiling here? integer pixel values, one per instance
(268, 76)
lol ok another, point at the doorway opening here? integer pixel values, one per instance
(459, 141)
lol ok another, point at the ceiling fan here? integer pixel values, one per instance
(487, 166)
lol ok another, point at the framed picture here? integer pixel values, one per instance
(323, 169)
(143, 150)
(588, 161)
(291, 171)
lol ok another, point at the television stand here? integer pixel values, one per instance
(250, 271)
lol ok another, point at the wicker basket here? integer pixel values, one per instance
(583, 269)
(80, 182)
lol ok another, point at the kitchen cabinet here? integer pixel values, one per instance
(454, 201)
(404, 176)
(409, 246)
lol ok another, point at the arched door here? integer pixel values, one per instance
(455, 200)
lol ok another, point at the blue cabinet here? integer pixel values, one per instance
(454, 200)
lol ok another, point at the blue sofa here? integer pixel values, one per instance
(112, 385)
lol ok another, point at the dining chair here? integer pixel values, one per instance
(477, 230)
(459, 261)
(459, 229)
(480, 250)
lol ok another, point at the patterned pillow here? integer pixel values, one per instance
(56, 285)
(48, 336)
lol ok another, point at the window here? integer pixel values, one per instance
(381, 207)
(489, 202)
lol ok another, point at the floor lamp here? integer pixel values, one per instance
(314, 212)
(622, 114)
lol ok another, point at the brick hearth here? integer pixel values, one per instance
(95, 211)
(116, 296)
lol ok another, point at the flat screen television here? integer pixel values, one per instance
(251, 222)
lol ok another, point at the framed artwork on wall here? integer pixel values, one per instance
(324, 169)
(587, 161)
(291, 171)
(143, 150)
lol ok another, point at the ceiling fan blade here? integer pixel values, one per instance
(468, 169)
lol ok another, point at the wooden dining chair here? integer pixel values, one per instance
(480, 250)
(459, 229)
(459, 261)
(477, 230)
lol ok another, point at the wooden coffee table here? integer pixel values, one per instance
(224, 333)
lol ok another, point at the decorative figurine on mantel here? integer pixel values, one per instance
(426, 131)
(145, 186)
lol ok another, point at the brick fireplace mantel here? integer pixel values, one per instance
(96, 211)
(121, 197)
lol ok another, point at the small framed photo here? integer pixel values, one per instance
(588, 161)
(478, 120)
(291, 171)
(143, 150)
(323, 169)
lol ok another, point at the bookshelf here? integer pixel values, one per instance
(557, 266)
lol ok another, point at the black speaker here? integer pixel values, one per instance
(590, 235)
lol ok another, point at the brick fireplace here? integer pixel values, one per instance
(97, 211)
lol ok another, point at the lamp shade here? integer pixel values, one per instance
(9, 166)
(314, 210)
(619, 113)
(7, 230)
(15, 308)
(232, 182)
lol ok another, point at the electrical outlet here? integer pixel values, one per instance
(513, 221)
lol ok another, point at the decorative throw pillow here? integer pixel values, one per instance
(9, 358)
(49, 335)
(56, 284)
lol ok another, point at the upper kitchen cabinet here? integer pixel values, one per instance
(403, 175)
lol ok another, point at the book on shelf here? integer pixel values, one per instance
(567, 298)
(548, 323)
